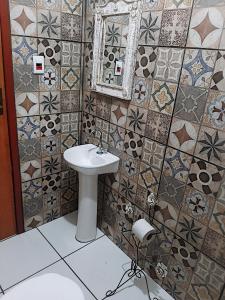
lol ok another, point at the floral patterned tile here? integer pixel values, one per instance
(70, 78)
(23, 20)
(69, 122)
(116, 138)
(51, 183)
(214, 113)
(205, 177)
(52, 214)
(171, 190)
(218, 79)
(119, 113)
(29, 150)
(49, 24)
(190, 103)
(133, 143)
(198, 205)
(50, 49)
(89, 28)
(30, 170)
(49, 102)
(72, 7)
(113, 180)
(217, 221)
(127, 188)
(27, 104)
(24, 79)
(169, 63)
(136, 119)
(32, 207)
(28, 127)
(174, 28)
(104, 126)
(141, 91)
(103, 108)
(130, 167)
(172, 289)
(183, 135)
(157, 126)
(50, 125)
(153, 4)
(88, 55)
(208, 279)
(178, 274)
(177, 164)
(163, 96)
(184, 253)
(71, 27)
(214, 246)
(50, 80)
(32, 189)
(89, 102)
(141, 198)
(49, 4)
(166, 214)
(23, 49)
(211, 145)
(70, 54)
(175, 4)
(206, 28)
(149, 177)
(198, 67)
(150, 28)
(51, 200)
(88, 123)
(50, 145)
(191, 230)
(146, 60)
(70, 101)
(153, 153)
(51, 165)
(69, 140)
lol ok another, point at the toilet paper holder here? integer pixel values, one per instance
(135, 270)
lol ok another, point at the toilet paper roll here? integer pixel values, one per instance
(142, 230)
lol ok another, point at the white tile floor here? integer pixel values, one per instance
(96, 266)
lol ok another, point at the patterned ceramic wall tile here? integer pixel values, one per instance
(169, 63)
(141, 91)
(157, 126)
(49, 23)
(27, 104)
(198, 67)
(23, 20)
(206, 28)
(119, 113)
(146, 60)
(49, 4)
(163, 96)
(183, 135)
(23, 49)
(136, 119)
(205, 177)
(190, 103)
(175, 4)
(71, 27)
(218, 78)
(153, 153)
(72, 7)
(150, 28)
(174, 28)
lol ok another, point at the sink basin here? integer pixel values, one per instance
(85, 160)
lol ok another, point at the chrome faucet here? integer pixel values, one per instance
(101, 149)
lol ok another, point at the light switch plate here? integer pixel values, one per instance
(38, 64)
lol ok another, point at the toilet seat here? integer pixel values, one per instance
(47, 286)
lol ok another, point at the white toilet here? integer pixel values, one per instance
(47, 286)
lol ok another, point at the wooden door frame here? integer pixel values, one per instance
(11, 112)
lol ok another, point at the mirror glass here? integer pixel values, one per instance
(114, 49)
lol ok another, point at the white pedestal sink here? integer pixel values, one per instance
(89, 164)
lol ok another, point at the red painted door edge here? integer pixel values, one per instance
(11, 112)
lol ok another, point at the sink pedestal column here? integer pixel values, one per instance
(87, 209)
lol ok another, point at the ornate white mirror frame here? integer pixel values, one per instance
(133, 9)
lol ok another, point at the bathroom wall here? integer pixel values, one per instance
(171, 141)
(48, 106)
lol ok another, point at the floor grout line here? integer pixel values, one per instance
(4, 290)
(63, 259)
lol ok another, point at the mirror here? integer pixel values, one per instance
(114, 52)
(115, 44)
